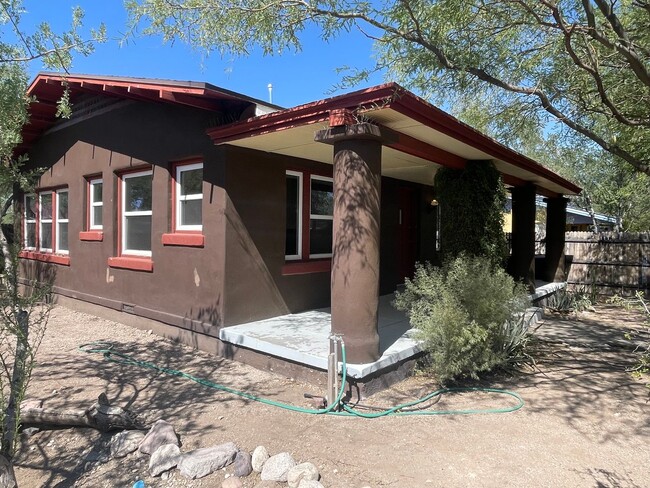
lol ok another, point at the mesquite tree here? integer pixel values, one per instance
(24, 304)
(582, 63)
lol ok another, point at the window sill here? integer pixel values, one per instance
(305, 267)
(131, 262)
(91, 235)
(46, 257)
(180, 239)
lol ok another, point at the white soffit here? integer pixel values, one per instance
(299, 142)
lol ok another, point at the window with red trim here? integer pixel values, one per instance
(45, 225)
(188, 197)
(136, 213)
(95, 204)
(309, 216)
(187, 206)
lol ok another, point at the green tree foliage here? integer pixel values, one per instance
(471, 207)
(469, 315)
(581, 63)
(23, 316)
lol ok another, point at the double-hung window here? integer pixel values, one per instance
(188, 191)
(62, 221)
(320, 217)
(45, 229)
(293, 237)
(136, 213)
(96, 204)
(308, 220)
(29, 218)
(45, 225)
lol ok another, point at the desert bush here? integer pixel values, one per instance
(469, 314)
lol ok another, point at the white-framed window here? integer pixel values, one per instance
(95, 204)
(45, 218)
(62, 221)
(293, 237)
(136, 215)
(29, 217)
(321, 216)
(189, 197)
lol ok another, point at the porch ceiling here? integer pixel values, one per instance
(400, 163)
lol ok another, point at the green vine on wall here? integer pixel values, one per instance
(471, 206)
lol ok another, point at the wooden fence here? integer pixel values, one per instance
(613, 262)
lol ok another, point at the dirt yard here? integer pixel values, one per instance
(586, 422)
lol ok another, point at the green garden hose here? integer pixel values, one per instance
(106, 349)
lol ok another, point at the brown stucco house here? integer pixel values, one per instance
(198, 209)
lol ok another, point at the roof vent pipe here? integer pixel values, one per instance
(270, 87)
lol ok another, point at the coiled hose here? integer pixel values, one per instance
(110, 354)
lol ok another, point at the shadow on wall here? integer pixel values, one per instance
(251, 291)
(36, 272)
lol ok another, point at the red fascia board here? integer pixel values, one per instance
(422, 111)
(301, 115)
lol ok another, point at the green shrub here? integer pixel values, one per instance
(469, 314)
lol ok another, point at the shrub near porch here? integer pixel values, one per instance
(468, 315)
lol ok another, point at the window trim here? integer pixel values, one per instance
(123, 251)
(177, 198)
(307, 263)
(58, 221)
(313, 177)
(54, 255)
(50, 221)
(30, 221)
(296, 257)
(92, 204)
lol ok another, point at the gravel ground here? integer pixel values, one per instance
(586, 421)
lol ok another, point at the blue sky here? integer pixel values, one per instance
(296, 77)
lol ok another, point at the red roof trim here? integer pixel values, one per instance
(47, 88)
(390, 95)
(301, 115)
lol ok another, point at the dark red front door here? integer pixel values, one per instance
(407, 232)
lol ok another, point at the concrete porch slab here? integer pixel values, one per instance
(303, 337)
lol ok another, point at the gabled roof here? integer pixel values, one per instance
(47, 89)
(421, 138)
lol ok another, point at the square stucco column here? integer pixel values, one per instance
(522, 261)
(554, 269)
(355, 247)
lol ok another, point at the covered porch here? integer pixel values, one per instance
(303, 338)
(368, 137)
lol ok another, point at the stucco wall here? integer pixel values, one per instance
(238, 275)
(186, 284)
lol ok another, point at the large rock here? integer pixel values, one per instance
(125, 442)
(232, 483)
(260, 455)
(202, 462)
(243, 466)
(161, 433)
(277, 467)
(310, 484)
(304, 471)
(164, 458)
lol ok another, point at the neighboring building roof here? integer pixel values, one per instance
(419, 138)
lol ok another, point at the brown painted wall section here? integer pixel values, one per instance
(186, 284)
(238, 275)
